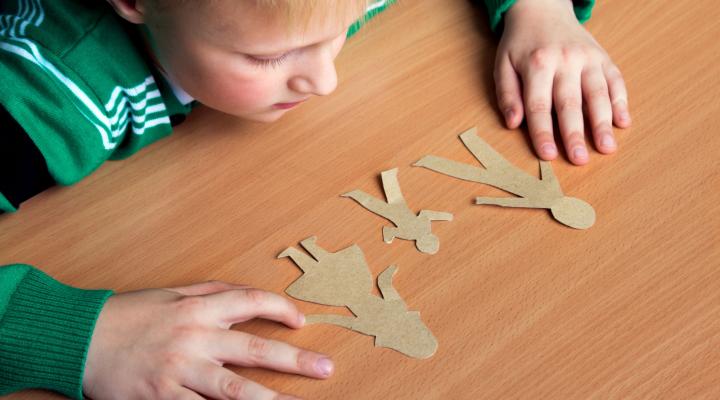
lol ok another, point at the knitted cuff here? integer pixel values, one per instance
(375, 9)
(498, 8)
(45, 335)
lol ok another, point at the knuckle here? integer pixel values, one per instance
(615, 76)
(233, 387)
(159, 387)
(603, 127)
(184, 336)
(541, 136)
(575, 139)
(192, 305)
(541, 58)
(216, 284)
(254, 296)
(538, 106)
(169, 363)
(569, 103)
(305, 361)
(506, 98)
(598, 92)
(258, 349)
(571, 54)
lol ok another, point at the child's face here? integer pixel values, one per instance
(237, 58)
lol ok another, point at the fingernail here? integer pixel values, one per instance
(624, 116)
(324, 366)
(580, 153)
(548, 150)
(608, 141)
(509, 115)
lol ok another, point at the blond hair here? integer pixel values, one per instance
(296, 11)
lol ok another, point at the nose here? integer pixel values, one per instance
(316, 74)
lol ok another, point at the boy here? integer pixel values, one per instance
(84, 85)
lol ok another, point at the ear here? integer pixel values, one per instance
(130, 10)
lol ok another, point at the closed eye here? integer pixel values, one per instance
(266, 62)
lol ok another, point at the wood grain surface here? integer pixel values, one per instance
(522, 306)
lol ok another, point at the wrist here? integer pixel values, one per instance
(530, 8)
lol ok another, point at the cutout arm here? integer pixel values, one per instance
(310, 244)
(304, 261)
(518, 202)
(333, 319)
(453, 168)
(436, 215)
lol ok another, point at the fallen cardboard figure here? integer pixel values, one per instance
(408, 226)
(344, 279)
(533, 192)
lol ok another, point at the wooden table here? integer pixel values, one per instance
(522, 306)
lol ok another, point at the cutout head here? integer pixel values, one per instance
(574, 213)
(428, 243)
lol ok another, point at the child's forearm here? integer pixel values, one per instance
(45, 331)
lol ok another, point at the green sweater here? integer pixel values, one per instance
(61, 81)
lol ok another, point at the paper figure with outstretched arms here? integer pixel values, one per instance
(408, 226)
(533, 192)
(344, 279)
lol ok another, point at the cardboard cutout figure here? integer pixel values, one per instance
(343, 279)
(408, 226)
(533, 193)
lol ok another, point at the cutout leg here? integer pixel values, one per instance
(384, 281)
(453, 168)
(389, 233)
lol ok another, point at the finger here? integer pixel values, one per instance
(244, 349)
(567, 97)
(537, 83)
(220, 383)
(203, 288)
(618, 96)
(176, 392)
(234, 306)
(509, 92)
(597, 97)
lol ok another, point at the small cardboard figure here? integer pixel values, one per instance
(533, 193)
(343, 279)
(408, 226)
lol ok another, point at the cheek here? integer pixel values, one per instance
(224, 82)
(238, 89)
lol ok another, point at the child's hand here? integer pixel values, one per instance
(545, 59)
(172, 344)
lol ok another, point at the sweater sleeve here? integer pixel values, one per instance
(498, 8)
(45, 331)
(24, 171)
(375, 8)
